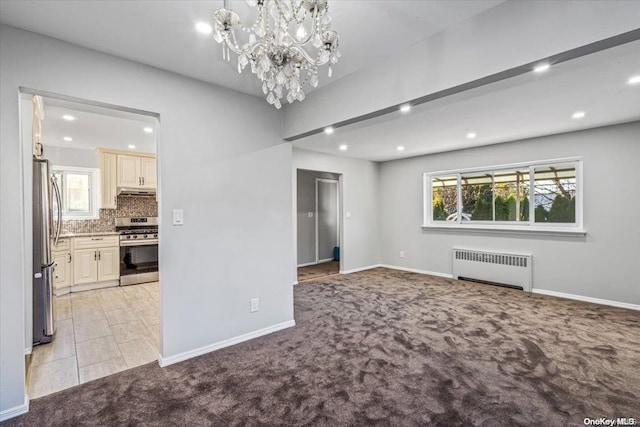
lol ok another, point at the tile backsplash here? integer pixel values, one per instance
(127, 206)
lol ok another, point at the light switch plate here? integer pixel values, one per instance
(310, 214)
(348, 215)
(178, 217)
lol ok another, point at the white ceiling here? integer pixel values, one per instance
(96, 127)
(162, 33)
(526, 106)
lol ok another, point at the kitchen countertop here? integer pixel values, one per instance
(89, 234)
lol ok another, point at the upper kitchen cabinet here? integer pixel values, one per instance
(108, 180)
(148, 172)
(137, 171)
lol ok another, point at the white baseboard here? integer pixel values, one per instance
(306, 264)
(322, 261)
(166, 361)
(295, 283)
(415, 270)
(587, 299)
(63, 291)
(28, 350)
(96, 285)
(16, 410)
(355, 270)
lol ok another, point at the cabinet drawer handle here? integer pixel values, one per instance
(69, 262)
(97, 238)
(95, 255)
(98, 255)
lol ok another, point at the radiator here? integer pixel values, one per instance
(493, 267)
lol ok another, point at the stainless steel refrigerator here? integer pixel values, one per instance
(44, 186)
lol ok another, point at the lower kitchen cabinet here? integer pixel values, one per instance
(62, 267)
(62, 272)
(96, 265)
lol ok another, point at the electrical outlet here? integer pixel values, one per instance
(254, 305)
(401, 254)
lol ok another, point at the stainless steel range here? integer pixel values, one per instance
(138, 250)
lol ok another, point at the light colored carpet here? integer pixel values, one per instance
(387, 348)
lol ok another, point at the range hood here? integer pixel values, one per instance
(124, 191)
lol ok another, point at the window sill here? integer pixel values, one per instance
(537, 231)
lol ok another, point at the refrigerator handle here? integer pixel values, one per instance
(58, 202)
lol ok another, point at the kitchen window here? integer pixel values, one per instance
(79, 192)
(543, 197)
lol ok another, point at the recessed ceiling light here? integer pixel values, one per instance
(148, 129)
(471, 135)
(541, 68)
(328, 130)
(578, 114)
(131, 146)
(400, 148)
(204, 28)
(634, 80)
(343, 147)
(68, 138)
(405, 108)
(68, 117)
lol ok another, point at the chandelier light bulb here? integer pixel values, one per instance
(328, 130)
(283, 47)
(634, 80)
(471, 135)
(343, 147)
(578, 115)
(541, 68)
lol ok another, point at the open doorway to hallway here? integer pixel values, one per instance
(318, 224)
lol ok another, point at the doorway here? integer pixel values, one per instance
(318, 224)
(99, 327)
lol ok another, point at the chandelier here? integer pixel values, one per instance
(284, 47)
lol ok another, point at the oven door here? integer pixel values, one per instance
(138, 263)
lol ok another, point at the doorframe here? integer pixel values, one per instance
(26, 158)
(339, 224)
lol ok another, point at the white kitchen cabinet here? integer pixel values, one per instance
(108, 180)
(148, 172)
(108, 264)
(85, 266)
(129, 171)
(137, 171)
(96, 259)
(62, 270)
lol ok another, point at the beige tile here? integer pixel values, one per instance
(53, 376)
(101, 369)
(121, 316)
(154, 330)
(90, 330)
(97, 350)
(130, 331)
(63, 308)
(86, 314)
(138, 352)
(62, 346)
(150, 316)
(112, 303)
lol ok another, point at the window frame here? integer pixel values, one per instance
(530, 226)
(94, 213)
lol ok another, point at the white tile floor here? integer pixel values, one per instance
(98, 333)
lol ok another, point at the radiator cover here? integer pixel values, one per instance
(495, 267)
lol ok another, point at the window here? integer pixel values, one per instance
(78, 192)
(537, 195)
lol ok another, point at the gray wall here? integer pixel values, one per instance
(601, 265)
(359, 188)
(306, 202)
(209, 162)
(66, 156)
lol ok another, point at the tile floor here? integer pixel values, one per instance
(99, 333)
